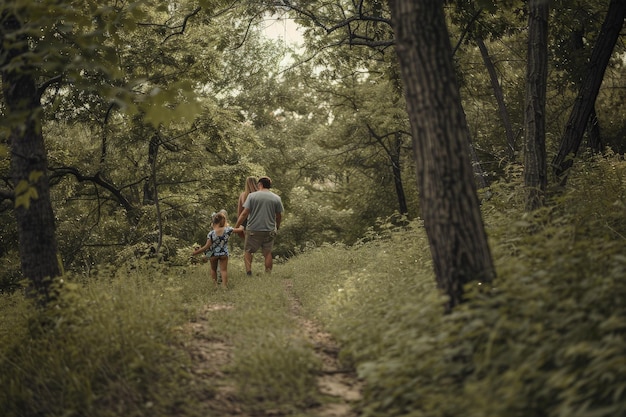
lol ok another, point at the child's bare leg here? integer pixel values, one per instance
(214, 270)
(224, 271)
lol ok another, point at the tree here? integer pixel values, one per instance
(585, 101)
(449, 203)
(356, 79)
(369, 129)
(535, 166)
(74, 45)
(499, 95)
(477, 25)
(33, 211)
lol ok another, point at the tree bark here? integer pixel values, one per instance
(585, 101)
(535, 159)
(449, 202)
(397, 172)
(155, 143)
(149, 186)
(594, 137)
(39, 256)
(594, 140)
(499, 95)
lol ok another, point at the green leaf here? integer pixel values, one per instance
(21, 187)
(22, 200)
(34, 176)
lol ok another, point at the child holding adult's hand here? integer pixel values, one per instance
(216, 247)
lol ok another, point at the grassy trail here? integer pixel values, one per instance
(258, 354)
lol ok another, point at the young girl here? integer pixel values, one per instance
(216, 247)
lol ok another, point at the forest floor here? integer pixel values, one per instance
(211, 358)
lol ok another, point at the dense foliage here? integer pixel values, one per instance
(546, 339)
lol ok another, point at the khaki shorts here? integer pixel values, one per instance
(256, 240)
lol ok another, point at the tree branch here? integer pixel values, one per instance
(177, 29)
(43, 87)
(61, 172)
(183, 26)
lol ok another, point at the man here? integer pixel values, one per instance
(264, 211)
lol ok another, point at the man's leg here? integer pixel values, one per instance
(267, 247)
(252, 244)
(267, 255)
(247, 259)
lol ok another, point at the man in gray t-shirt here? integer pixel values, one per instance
(264, 211)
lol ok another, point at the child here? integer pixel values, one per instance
(216, 247)
(219, 272)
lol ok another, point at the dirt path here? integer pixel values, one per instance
(333, 380)
(210, 357)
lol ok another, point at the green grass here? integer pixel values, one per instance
(548, 338)
(103, 349)
(273, 365)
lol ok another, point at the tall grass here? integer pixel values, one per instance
(108, 348)
(116, 345)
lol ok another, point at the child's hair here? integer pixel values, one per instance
(219, 219)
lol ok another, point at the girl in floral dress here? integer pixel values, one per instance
(216, 247)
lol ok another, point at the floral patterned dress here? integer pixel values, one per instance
(219, 244)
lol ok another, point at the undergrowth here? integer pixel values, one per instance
(546, 338)
(108, 348)
(115, 344)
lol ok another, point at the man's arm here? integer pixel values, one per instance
(242, 217)
(279, 217)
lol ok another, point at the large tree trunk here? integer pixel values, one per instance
(583, 106)
(35, 219)
(449, 202)
(535, 160)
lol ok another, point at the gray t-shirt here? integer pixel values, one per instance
(263, 206)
